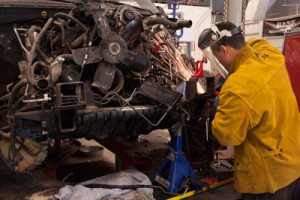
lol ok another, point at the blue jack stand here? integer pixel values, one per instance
(175, 164)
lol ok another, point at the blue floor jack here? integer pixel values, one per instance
(176, 165)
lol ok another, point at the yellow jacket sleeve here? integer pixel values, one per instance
(231, 121)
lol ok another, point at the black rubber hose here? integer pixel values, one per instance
(78, 41)
(31, 39)
(67, 57)
(5, 97)
(4, 135)
(14, 92)
(31, 31)
(30, 73)
(169, 24)
(42, 55)
(64, 15)
(5, 128)
(33, 50)
(57, 62)
(63, 34)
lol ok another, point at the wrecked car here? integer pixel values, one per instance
(97, 69)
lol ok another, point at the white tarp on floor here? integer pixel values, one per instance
(129, 177)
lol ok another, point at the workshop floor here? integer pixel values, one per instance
(37, 186)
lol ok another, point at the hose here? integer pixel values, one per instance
(63, 34)
(64, 15)
(5, 97)
(30, 73)
(166, 22)
(55, 71)
(14, 92)
(20, 41)
(36, 43)
(36, 48)
(68, 57)
(32, 39)
(78, 41)
(5, 128)
(4, 135)
(33, 50)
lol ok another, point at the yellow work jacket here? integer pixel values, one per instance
(258, 115)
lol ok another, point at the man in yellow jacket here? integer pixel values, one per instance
(258, 115)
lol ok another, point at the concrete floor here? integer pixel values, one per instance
(22, 186)
(220, 193)
(225, 192)
(37, 186)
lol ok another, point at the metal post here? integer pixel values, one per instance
(174, 2)
(234, 13)
(169, 4)
(174, 10)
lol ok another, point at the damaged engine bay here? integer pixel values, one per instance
(99, 70)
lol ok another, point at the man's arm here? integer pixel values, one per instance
(231, 121)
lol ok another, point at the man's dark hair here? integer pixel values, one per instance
(236, 41)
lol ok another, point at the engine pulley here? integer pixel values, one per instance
(130, 15)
